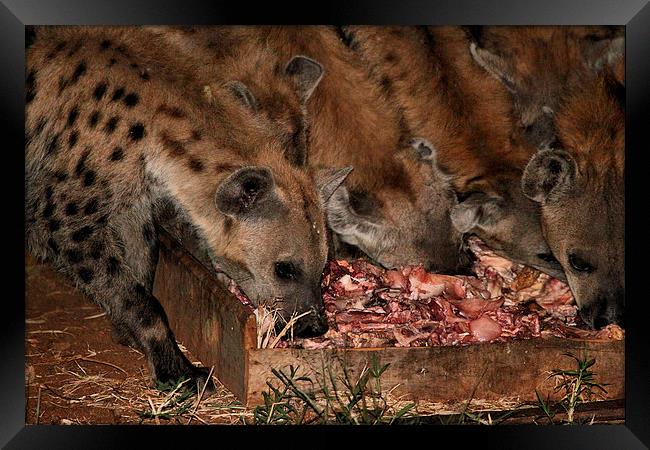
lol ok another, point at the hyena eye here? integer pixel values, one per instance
(251, 187)
(547, 257)
(285, 270)
(580, 265)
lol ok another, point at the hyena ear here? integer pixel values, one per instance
(477, 210)
(306, 74)
(548, 175)
(245, 191)
(243, 94)
(423, 149)
(351, 227)
(603, 53)
(328, 180)
(495, 65)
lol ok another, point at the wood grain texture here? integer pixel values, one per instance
(204, 315)
(494, 371)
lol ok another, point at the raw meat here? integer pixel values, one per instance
(371, 307)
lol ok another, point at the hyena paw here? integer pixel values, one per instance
(195, 377)
(200, 378)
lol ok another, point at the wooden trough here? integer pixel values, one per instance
(222, 332)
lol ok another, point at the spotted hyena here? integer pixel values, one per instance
(567, 86)
(111, 136)
(466, 115)
(394, 206)
(580, 185)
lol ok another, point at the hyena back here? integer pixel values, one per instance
(110, 136)
(262, 80)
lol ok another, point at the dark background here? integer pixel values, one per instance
(14, 14)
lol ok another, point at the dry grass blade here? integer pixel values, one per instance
(289, 326)
(49, 332)
(38, 404)
(104, 363)
(95, 316)
(198, 400)
(34, 321)
(153, 411)
(267, 318)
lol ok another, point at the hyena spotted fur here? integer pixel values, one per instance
(467, 117)
(395, 206)
(259, 78)
(110, 136)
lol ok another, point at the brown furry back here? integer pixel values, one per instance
(351, 121)
(591, 126)
(445, 97)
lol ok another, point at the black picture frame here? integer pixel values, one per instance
(15, 14)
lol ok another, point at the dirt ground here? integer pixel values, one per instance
(76, 374)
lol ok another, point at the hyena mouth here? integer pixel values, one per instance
(273, 329)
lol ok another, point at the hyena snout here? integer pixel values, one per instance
(312, 309)
(451, 260)
(466, 261)
(604, 311)
(312, 325)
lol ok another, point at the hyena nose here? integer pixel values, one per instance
(312, 326)
(466, 262)
(603, 313)
(431, 267)
(320, 327)
(456, 264)
(600, 321)
(592, 316)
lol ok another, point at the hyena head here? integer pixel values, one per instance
(509, 223)
(537, 64)
(277, 91)
(404, 219)
(274, 240)
(580, 187)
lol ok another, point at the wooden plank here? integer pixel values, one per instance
(606, 411)
(221, 331)
(204, 316)
(510, 370)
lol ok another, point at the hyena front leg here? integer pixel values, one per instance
(114, 263)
